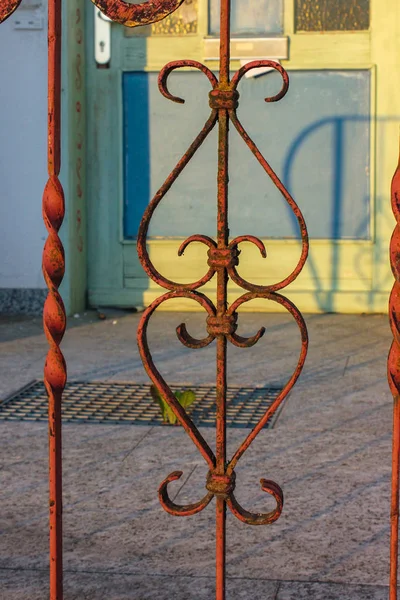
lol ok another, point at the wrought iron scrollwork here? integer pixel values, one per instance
(223, 260)
(221, 321)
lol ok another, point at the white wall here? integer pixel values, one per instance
(23, 152)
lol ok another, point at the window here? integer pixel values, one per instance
(332, 15)
(249, 17)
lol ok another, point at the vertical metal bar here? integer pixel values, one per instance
(222, 292)
(221, 548)
(394, 512)
(394, 383)
(224, 43)
(54, 317)
(221, 449)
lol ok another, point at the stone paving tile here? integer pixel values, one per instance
(330, 451)
(100, 350)
(32, 585)
(334, 525)
(330, 591)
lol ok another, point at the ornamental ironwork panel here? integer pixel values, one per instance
(222, 320)
(223, 263)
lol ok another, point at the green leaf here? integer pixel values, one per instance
(187, 398)
(156, 396)
(170, 414)
(154, 393)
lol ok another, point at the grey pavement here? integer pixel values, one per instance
(330, 450)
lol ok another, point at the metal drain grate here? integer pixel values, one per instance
(97, 402)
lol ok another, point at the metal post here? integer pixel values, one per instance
(394, 383)
(54, 317)
(222, 293)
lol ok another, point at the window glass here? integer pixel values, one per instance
(249, 17)
(332, 15)
(317, 139)
(180, 22)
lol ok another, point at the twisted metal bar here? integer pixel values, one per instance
(394, 382)
(53, 265)
(7, 8)
(54, 317)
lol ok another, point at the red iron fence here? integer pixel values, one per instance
(223, 261)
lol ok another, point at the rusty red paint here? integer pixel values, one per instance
(79, 131)
(394, 382)
(132, 15)
(53, 264)
(7, 8)
(54, 317)
(223, 260)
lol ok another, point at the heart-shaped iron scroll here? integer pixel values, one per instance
(218, 485)
(223, 259)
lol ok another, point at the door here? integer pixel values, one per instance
(332, 140)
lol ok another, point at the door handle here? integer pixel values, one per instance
(102, 38)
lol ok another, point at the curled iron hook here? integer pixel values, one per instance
(256, 64)
(251, 518)
(179, 64)
(179, 510)
(246, 342)
(252, 240)
(205, 239)
(189, 341)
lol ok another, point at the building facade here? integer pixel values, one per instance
(333, 141)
